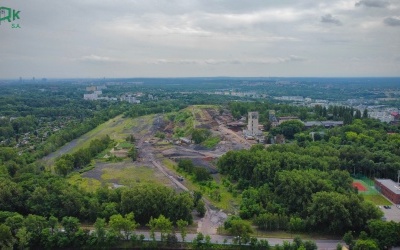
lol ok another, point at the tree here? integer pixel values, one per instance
(200, 135)
(15, 222)
(288, 128)
(386, 233)
(34, 225)
(100, 231)
(186, 165)
(164, 225)
(132, 153)
(198, 241)
(296, 224)
(241, 229)
(348, 239)
(123, 225)
(365, 113)
(368, 244)
(6, 237)
(71, 226)
(182, 224)
(64, 164)
(53, 223)
(23, 237)
(201, 208)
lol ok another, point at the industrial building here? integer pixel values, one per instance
(389, 189)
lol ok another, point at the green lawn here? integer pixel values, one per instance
(117, 128)
(132, 175)
(377, 199)
(87, 184)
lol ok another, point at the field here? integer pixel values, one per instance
(360, 187)
(377, 199)
(366, 188)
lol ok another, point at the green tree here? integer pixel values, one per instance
(365, 113)
(349, 239)
(23, 237)
(296, 224)
(201, 208)
(200, 135)
(125, 225)
(15, 222)
(182, 224)
(386, 233)
(71, 226)
(6, 237)
(100, 231)
(288, 128)
(241, 229)
(64, 165)
(132, 153)
(368, 244)
(162, 224)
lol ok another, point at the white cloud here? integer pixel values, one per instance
(97, 59)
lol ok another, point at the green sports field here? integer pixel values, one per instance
(370, 193)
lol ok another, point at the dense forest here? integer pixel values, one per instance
(305, 185)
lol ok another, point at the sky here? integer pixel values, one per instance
(195, 38)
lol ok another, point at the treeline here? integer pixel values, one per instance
(366, 147)
(175, 102)
(68, 162)
(39, 232)
(318, 112)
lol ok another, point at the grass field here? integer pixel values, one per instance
(117, 128)
(377, 199)
(371, 194)
(87, 184)
(132, 175)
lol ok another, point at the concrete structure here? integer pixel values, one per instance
(272, 118)
(90, 97)
(91, 88)
(326, 124)
(252, 126)
(129, 98)
(389, 189)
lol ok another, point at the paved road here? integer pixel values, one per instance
(322, 244)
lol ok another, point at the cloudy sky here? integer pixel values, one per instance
(169, 38)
